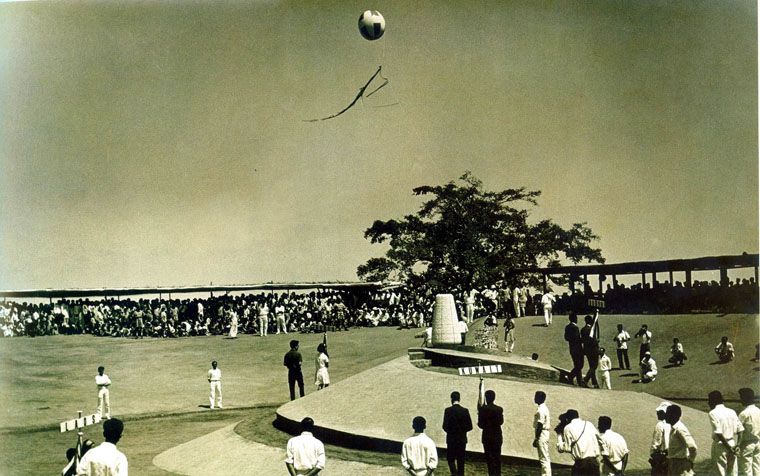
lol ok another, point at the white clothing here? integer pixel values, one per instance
(104, 395)
(749, 452)
(233, 324)
(322, 376)
(580, 439)
(103, 460)
(305, 453)
(613, 446)
(542, 416)
(724, 421)
(660, 437)
(605, 365)
(622, 339)
(646, 337)
(547, 300)
(419, 454)
(215, 384)
(680, 441)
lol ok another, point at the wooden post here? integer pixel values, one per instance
(614, 282)
(723, 277)
(670, 277)
(643, 279)
(688, 278)
(755, 275)
(545, 281)
(572, 284)
(601, 284)
(654, 278)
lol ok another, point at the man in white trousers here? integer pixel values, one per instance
(215, 382)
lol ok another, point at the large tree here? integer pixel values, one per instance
(466, 236)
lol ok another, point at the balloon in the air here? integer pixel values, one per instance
(371, 25)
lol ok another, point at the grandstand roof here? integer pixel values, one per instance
(132, 291)
(706, 263)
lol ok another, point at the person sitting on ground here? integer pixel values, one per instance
(677, 354)
(725, 350)
(647, 368)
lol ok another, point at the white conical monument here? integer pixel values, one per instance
(445, 327)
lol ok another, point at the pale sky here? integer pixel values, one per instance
(161, 143)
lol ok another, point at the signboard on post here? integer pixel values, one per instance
(80, 422)
(480, 369)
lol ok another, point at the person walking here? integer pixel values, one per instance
(490, 419)
(104, 394)
(749, 439)
(293, 361)
(573, 338)
(419, 456)
(580, 439)
(263, 319)
(233, 316)
(322, 362)
(106, 459)
(621, 341)
(590, 350)
(613, 447)
(682, 449)
(456, 424)
(304, 454)
(541, 426)
(215, 385)
(726, 426)
(547, 301)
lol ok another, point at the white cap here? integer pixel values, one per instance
(663, 406)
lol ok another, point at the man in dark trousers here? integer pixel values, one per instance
(456, 424)
(591, 349)
(573, 338)
(293, 361)
(490, 419)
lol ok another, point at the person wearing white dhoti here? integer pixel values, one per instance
(322, 376)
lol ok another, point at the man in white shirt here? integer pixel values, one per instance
(215, 384)
(682, 449)
(263, 319)
(548, 300)
(542, 426)
(605, 365)
(658, 451)
(580, 439)
(305, 455)
(621, 339)
(749, 439)
(516, 293)
(105, 459)
(613, 447)
(647, 368)
(104, 395)
(646, 340)
(725, 350)
(725, 425)
(419, 457)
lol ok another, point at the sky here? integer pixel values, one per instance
(165, 143)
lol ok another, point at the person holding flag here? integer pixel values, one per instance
(490, 419)
(590, 341)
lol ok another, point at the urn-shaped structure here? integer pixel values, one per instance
(445, 327)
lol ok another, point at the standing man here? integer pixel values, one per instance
(682, 449)
(573, 338)
(105, 459)
(541, 425)
(419, 456)
(215, 383)
(516, 293)
(591, 350)
(490, 419)
(523, 300)
(605, 365)
(509, 334)
(263, 319)
(456, 424)
(580, 439)
(614, 449)
(726, 426)
(292, 361)
(279, 314)
(658, 452)
(305, 455)
(749, 439)
(104, 395)
(621, 340)
(547, 301)
(646, 339)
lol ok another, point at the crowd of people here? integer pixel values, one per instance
(259, 314)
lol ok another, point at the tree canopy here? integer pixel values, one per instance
(466, 236)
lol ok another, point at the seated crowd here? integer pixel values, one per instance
(304, 312)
